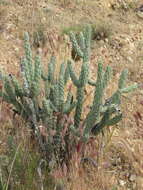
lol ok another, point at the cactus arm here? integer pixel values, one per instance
(72, 74)
(81, 41)
(83, 78)
(18, 89)
(35, 87)
(114, 120)
(107, 76)
(47, 114)
(69, 104)
(78, 111)
(61, 84)
(106, 121)
(55, 96)
(129, 88)
(75, 45)
(68, 108)
(122, 79)
(51, 69)
(24, 78)
(92, 83)
(87, 35)
(9, 90)
(93, 115)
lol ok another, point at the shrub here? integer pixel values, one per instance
(51, 111)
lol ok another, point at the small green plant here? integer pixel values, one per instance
(124, 5)
(75, 28)
(101, 31)
(39, 38)
(4, 2)
(52, 112)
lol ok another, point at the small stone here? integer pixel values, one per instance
(122, 183)
(118, 58)
(132, 177)
(106, 40)
(130, 59)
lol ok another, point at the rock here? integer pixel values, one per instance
(122, 182)
(132, 177)
(140, 15)
(130, 59)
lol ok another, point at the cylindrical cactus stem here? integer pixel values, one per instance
(61, 85)
(81, 41)
(18, 89)
(78, 111)
(51, 69)
(92, 83)
(72, 74)
(87, 36)
(129, 88)
(107, 76)
(9, 90)
(75, 45)
(83, 79)
(123, 79)
(35, 87)
(94, 114)
(105, 122)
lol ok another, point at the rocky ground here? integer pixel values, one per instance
(118, 41)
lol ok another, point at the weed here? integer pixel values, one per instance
(39, 38)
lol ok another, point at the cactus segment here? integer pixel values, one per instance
(35, 87)
(72, 74)
(51, 69)
(61, 85)
(123, 78)
(129, 88)
(83, 79)
(107, 76)
(81, 41)
(18, 88)
(87, 35)
(75, 45)
(78, 111)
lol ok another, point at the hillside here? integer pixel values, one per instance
(118, 40)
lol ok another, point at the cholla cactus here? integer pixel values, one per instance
(82, 48)
(40, 99)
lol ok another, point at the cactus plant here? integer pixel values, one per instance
(48, 107)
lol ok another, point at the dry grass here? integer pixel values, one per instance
(120, 156)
